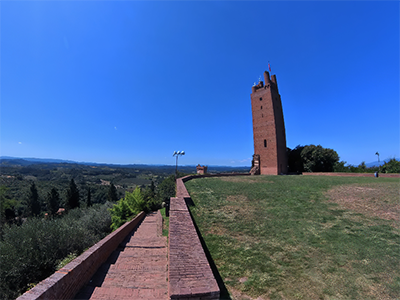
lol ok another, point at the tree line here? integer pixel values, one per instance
(48, 206)
(313, 158)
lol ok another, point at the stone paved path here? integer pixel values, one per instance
(137, 269)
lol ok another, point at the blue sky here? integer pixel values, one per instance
(133, 81)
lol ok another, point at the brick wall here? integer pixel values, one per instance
(66, 282)
(189, 272)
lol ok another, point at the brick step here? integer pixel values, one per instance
(136, 283)
(121, 293)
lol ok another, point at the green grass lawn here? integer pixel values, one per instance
(165, 222)
(302, 237)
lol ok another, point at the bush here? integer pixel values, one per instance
(128, 207)
(392, 166)
(318, 159)
(31, 252)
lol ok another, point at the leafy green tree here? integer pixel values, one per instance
(362, 167)
(7, 208)
(392, 166)
(120, 213)
(89, 198)
(128, 207)
(112, 194)
(33, 206)
(318, 159)
(53, 202)
(136, 201)
(340, 167)
(72, 196)
(295, 161)
(166, 189)
(149, 196)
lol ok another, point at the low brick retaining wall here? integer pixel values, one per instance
(189, 272)
(352, 174)
(66, 282)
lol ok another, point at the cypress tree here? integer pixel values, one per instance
(89, 198)
(112, 195)
(72, 196)
(53, 202)
(33, 203)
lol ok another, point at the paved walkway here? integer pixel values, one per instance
(137, 269)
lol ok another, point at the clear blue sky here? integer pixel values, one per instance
(131, 81)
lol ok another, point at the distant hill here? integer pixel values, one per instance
(17, 161)
(30, 160)
(376, 163)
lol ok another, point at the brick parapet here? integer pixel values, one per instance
(66, 282)
(189, 272)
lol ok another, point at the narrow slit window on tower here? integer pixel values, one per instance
(261, 106)
(260, 98)
(265, 143)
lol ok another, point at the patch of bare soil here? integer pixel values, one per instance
(238, 295)
(380, 200)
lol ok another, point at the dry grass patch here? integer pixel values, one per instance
(246, 179)
(217, 230)
(238, 295)
(374, 200)
(237, 198)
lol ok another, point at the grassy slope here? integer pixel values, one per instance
(278, 237)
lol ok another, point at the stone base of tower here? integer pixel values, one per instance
(269, 171)
(258, 169)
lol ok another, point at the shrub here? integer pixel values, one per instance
(392, 166)
(31, 252)
(128, 207)
(166, 189)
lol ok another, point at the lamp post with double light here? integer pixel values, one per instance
(177, 153)
(379, 163)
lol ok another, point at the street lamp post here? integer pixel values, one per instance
(177, 153)
(379, 163)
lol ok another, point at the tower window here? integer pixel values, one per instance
(265, 143)
(261, 106)
(260, 98)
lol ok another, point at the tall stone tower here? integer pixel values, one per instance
(268, 127)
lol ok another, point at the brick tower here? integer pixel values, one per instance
(268, 127)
